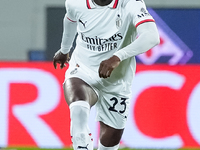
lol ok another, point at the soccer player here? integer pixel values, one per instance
(101, 69)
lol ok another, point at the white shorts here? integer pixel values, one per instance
(113, 100)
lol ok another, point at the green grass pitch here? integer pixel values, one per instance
(28, 148)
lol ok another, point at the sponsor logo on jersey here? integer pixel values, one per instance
(100, 44)
(99, 41)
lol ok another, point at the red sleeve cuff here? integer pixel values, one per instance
(143, 21)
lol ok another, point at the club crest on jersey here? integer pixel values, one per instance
(118, 22)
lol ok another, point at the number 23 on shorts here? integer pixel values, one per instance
(116, 102)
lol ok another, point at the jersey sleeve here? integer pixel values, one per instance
(138, 12)
(70, 10)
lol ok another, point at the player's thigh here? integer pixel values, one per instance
(109, 136)
(76, 89)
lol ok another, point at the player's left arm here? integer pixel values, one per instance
(148, 35)
(147, 39)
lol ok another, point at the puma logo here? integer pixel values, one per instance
(81, 147)
(82, 22)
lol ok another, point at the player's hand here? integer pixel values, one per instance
(107, 66)
(61, 59)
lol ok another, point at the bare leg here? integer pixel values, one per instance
(76, 89)
(109, 136)
(80, 97)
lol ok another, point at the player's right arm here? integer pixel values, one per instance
(69, 32)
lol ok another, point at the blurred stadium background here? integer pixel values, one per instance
(164, 110)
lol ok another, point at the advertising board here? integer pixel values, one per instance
(164, 109)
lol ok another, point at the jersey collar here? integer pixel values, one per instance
(91, 5)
